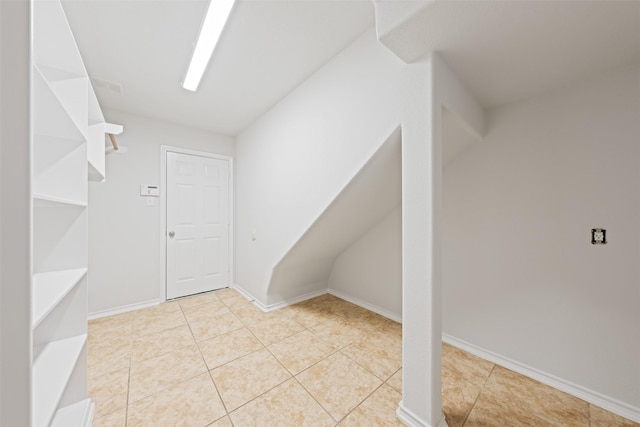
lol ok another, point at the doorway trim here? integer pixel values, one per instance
(164, 149)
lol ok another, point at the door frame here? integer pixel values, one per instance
(164, 149)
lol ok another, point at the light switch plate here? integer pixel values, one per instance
(149, 190)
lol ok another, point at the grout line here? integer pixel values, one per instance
(477, 397)
(215, 386)
(314, 398)
(126, 408)
(224, 405)
(359, 404)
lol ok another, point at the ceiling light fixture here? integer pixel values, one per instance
(214, 21)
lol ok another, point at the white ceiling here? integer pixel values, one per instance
(267, 49)
(506, 51)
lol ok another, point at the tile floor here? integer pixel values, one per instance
(217, 360)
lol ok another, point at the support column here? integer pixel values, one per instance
(421, 403)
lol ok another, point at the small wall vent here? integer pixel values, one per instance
(107, 85)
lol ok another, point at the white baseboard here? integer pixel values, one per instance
(368, 306)
(281, 304)
(89, 414)
(410, 419)
(123, 309)
(244, 293)
(612, 405)
(317, 293)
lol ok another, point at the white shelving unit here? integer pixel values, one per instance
(67, 136)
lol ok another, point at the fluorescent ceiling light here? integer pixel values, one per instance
(217, 15)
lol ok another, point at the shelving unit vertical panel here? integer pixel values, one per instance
(15, 331)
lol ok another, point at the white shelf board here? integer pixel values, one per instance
(47, 201)
(50, 288)
(51, 373)
(79, 414)
(52, 75)
(113, 128)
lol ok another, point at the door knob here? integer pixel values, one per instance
(171, 234)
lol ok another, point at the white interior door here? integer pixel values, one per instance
(197, 224)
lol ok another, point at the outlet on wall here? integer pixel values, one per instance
(598, 236)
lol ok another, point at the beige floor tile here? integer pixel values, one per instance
(339, 384)
(317, 304)
(222, 422)
(488, 412)
(342, 308)
(389, 325)
(237, 303)
(191, 403)
(392, 327)
(339, 333)
(108, 353)
(114, 419)
(105, 341)
(379, 409)
(544, 402)
(274, 329)
(153, 375)
(228, 347)
(195, 300)
(109, 391)
(114, 322)
(164, 307)
(300, 351)
(466, 365)
(288, 404)
(218, 325)
(172, 386)
(105, 365)
(307, 316)
(226, 293)
(252, 315)
(604, 418)
(458, 397)
(370, 319)
(156, 321)
(395, 381)
(158, 343)
(248, 377)
(379, 353)
(206, 311)
(105, 332)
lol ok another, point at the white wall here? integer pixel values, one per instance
(124, 233)
(521, 278)
(365, 200)
(370, 270)
(295, 159)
